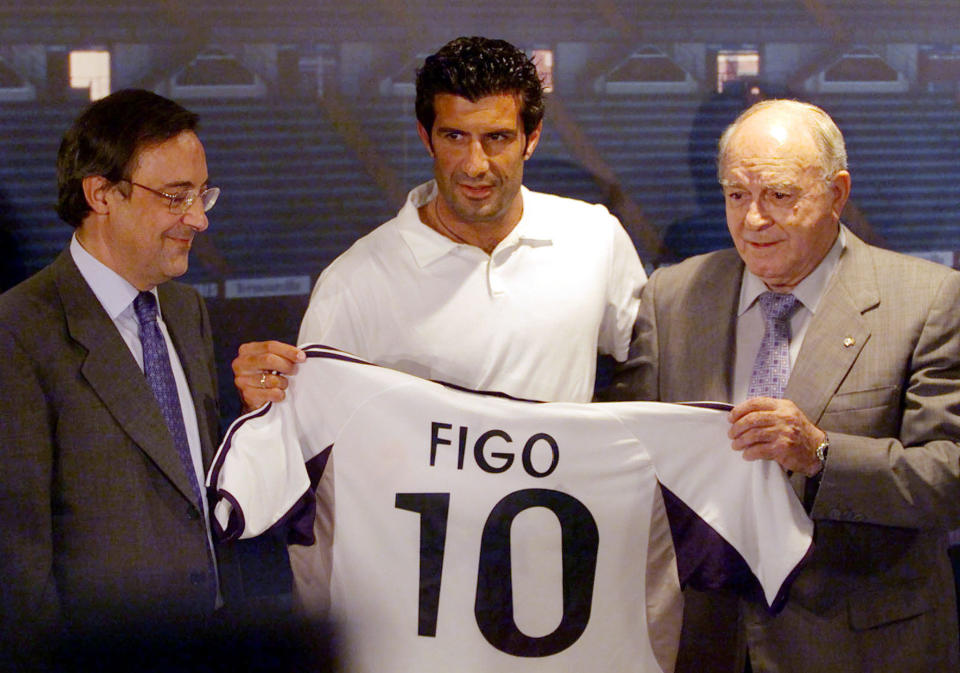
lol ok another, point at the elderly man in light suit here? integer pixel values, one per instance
(868, 422)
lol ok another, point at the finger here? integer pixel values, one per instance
(271, 379)
(752, 405)
(752, 421)
(255, 398)
(286, 351)
(247, 358)
(280, 357)
(754, 453)
(253, 348)
(757, 437)
(248, 384)
(268, 362)
(270, 353)
(251, 364)
(763, 452)
(256, 390)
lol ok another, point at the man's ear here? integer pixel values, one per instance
(841, 191)
(95, 189)
(425, 138)
(532, 141)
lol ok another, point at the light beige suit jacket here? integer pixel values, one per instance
(879, 370)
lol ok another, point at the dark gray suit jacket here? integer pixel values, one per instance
(97, 521)
(879, 370)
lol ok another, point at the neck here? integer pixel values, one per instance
(483, 235)
(91, 240)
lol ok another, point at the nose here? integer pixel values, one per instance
(755, 218)
(195, 217)
(476, 163)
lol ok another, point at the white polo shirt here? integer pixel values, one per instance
(527, 320)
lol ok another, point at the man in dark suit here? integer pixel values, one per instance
(868, 421)
(103, 518)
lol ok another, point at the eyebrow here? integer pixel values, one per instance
(736, 184)
(185, 183)
(505, 130)
(780, 185)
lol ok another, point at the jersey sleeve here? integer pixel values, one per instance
(259, 476)
(736, 524)
(626, 279)
(268, 465)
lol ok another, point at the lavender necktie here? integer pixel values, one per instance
(771, 369)
(156, 367)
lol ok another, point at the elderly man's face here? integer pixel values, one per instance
(782, 214)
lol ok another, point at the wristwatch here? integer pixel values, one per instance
(822, 449)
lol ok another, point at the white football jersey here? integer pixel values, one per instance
(474, 532)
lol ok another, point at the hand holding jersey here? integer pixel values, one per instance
(260, 370)
(765, 428)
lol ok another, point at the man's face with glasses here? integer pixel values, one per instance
(158, 209)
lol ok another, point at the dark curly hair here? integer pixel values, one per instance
(105, 140)
(474, 67)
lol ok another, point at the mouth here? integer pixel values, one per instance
(185, 240)
(478, 192)
(762, 245)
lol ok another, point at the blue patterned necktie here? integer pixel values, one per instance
(771, 369)
(156, 367)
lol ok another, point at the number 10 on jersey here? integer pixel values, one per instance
(493, 607)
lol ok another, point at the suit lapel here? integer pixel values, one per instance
(715, 314)
(114, 376)
(837, 332)
(835, 337)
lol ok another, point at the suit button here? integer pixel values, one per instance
(198, 578)
(192, 513)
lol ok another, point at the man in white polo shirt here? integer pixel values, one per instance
(477, 281)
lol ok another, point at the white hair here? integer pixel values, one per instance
(829, 139)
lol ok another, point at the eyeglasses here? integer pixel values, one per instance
(181, 201)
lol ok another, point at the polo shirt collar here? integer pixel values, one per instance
(428, 245)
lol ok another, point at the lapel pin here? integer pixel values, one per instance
(849, 341)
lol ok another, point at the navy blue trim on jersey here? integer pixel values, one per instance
(719, 406)
(298, 521)
(316, 465)
(488, 393)
(235, 524)
(228, 440)
(705, 560)
(321, 351)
